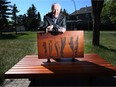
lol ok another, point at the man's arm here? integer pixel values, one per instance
(62, 28)
(64, 22)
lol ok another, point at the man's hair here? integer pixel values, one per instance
(56, 4)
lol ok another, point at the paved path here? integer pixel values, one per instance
(15, 83)
(105, 81)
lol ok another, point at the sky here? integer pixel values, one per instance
(44, 6)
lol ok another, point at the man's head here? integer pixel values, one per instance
(56, 9)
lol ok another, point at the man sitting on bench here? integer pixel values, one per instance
(54, 21)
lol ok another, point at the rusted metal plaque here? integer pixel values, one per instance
(67, 45)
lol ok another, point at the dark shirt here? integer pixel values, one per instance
(49, 19)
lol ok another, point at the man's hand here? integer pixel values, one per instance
(62, 30)
(49, 28)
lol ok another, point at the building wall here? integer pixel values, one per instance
(82, 19)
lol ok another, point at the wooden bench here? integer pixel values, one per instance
(91, 66)
(87, 66)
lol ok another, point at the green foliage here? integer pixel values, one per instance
(112, 9)
(4, 11)
(39, 18)
(33, 18)
(108, 12)
(4, 14)
(14, 16)
(14, 11)
(65, 12)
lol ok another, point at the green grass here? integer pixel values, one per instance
(107, 48)
(14, 47)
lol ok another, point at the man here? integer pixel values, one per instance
(55, 21)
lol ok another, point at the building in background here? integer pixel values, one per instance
(80, 19)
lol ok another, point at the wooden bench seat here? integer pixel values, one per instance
(92, 65)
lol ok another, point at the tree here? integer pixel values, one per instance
(96, 9)
(4, 14)
(25, 21)
(31, 14)
(14, 16)
(39, 19)
(65, 12)
(108, 13)
(112, 9)
(105, 12)
(32, 18)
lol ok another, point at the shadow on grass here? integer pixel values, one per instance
(12, 36)
(114, 34)
(106, 48)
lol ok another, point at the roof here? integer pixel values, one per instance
(82, 10)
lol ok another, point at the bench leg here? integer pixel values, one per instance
(48, 60)
(73, 59)
(33, 82)
(91, 80)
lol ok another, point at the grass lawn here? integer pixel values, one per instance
(107, 48)
(14, 47)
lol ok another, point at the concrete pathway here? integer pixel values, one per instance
(15, 83)
(103, 81)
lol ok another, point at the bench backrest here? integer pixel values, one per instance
(67, 45)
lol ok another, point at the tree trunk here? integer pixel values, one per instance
(96, 30)
(96, 9)
(0, 32)
(1, 27)
(15, 28)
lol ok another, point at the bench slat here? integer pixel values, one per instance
(90, 65)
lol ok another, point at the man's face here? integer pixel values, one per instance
(56, 10)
